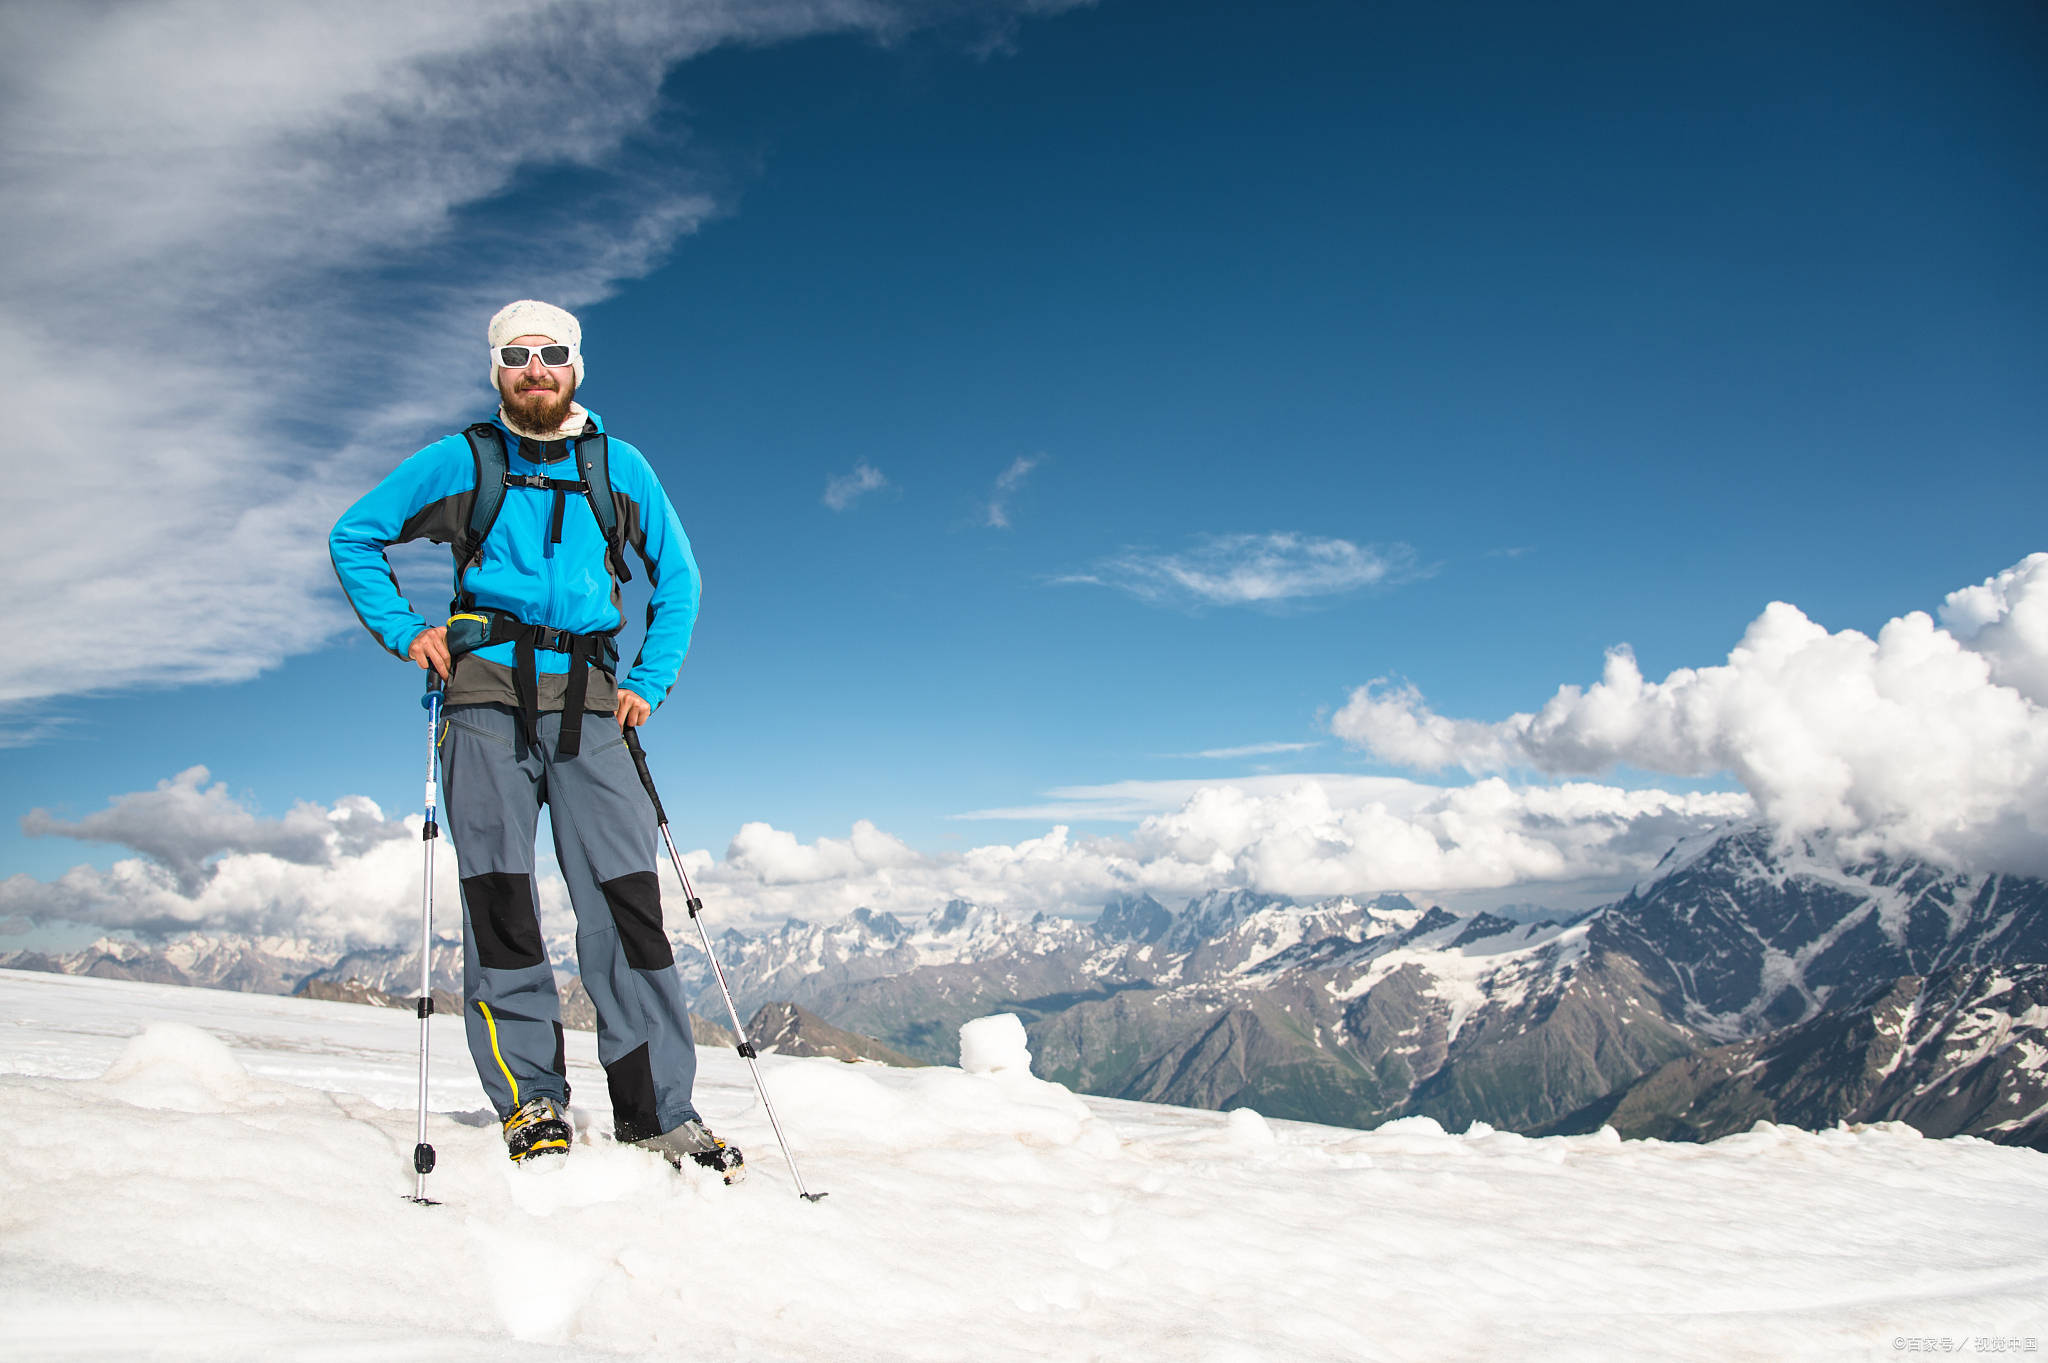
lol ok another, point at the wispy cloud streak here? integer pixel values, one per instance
(1252, 570)
(1007, 482)
(842, 490)
(228, 222)
(1248, 750)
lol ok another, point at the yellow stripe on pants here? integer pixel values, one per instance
(496, 1054)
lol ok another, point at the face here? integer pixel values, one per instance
(537, 397)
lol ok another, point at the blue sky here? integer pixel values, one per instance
(1523, 334)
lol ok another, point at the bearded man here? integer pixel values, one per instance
(529, 654)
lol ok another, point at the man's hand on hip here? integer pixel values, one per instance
(430, 650)
(632, 710)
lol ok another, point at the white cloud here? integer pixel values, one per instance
(184, 823)
(1135, 801)
(1248, 750)
(1396, 725)
(1304, 836)
(773, 857)
(842, 490)
(344, 873)
(229, 222)
(1253, 570)
(1304, 843)
(2004, 619)
(1309, 837)
(1007, 482)
(1924, 741)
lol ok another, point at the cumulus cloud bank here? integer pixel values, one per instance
(1929, 740)
(184, 823)
(349, 874)
(202, 197)
(343, 873)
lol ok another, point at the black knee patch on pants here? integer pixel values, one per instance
(635, 902)
(504, 919)
(631, 1080)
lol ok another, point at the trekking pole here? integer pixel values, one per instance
(696, 906)
(422, 1153)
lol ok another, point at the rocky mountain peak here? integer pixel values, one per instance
(1434, 920)
(952, 917)
(784, 1028)
(1481, 926)
(1744, 935)
(1208, 916)
(1133, 918)
(883, 925)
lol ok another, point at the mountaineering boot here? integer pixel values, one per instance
(693, 1140)
(539, 1127)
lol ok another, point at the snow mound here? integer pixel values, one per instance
(179, 1068)
(1247, 1130)
(1410, 1126)
(993, 1045)
(992, 1097)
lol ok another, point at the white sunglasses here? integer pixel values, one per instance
(517, 356)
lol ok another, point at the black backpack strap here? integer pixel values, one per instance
(593, 460)
(574, 696)
(487, 448)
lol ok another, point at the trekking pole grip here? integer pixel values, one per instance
(646, 777)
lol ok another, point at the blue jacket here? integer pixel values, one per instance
(565, 586)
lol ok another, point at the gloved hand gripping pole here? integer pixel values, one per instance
(696, 906)
(422, 1153)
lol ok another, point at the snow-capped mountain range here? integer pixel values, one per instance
(1736, 959)
(1962, 1049)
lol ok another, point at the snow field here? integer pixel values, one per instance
(222, 1176)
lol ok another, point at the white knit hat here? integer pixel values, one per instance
(529, 317)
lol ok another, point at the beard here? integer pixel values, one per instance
(540, 410)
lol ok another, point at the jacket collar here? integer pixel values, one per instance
(545, 451)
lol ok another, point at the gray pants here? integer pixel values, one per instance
(494, 784)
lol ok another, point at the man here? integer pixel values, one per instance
(528, 653)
